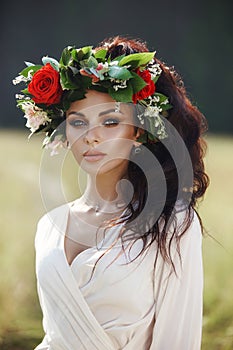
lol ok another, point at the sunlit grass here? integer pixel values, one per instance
(216, 211)
(21, 206)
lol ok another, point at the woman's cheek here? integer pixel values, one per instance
(73, 135)
(119, 147)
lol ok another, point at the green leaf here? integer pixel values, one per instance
(74, 70)
(75, 95)
(54, 63)
(25, 91)
(86, 50)
(100, 88)
(100, 54)
(122, 95)
(134, 64)
(92, 62)
(142, 138)
(162, 97)
(33, 69)
(166, 107)
(66, 56)
(137, 82)
(121, 73)
(75, 56)
(118, 58)
(67, 79)
(156, 79)
(85, 82)
(140, 59)
(66, 105)
(152, 137)
(82, 53)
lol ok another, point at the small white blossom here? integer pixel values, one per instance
(152, 111)
(153, 100)
(19, 79)
(55, 145)
(21, 97)
(113, 63)
(119, 84)
(161, 130)
(165, 102)
(35, 116)
(141, 119)
(154, 70)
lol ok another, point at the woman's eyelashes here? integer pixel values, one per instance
(78, 123)
(111, 122)
(108, 122)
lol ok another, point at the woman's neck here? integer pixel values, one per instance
(105, 192)
(102, 188)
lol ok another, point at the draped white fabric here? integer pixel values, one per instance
(121, 306)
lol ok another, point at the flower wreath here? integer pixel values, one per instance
(51, 87)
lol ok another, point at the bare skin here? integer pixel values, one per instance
(101, 138)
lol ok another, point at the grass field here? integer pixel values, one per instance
(21, 206)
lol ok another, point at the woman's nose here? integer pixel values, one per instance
(92, 136)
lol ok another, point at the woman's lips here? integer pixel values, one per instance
(93, 156)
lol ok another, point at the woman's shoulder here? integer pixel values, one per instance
(189, 233)
(52, 224)
(185, 229)
(54, 214)
(190, 215)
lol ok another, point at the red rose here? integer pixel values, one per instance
(148, 90)
(45, 86)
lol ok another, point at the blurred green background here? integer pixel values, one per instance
(195, 37)
(21, 207)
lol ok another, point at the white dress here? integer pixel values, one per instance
(130, 306)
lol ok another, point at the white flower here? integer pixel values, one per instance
(140, 117)
(153, 100)
(152, 111)
(119, 84)
(21, 78)
(154, 70)
(161, 130)
(35, 116)
(165, 102)
(113, 63)
(21, 97)
(55, 145)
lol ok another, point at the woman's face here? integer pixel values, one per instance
(101, 133)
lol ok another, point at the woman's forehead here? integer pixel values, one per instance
(101, 109)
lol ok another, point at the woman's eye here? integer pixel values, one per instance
(111, 122)
(78, 123)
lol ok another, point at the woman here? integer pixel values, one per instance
(121, 266)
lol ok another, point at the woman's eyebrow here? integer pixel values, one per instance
(109, 111)
(79, 114)
(76, 113)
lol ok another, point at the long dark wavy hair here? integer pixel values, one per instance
(190, 125)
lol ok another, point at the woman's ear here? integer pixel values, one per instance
(137, 135)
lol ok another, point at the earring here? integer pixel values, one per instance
(137, 150)
(68, 145)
